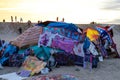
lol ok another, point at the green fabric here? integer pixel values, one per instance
(40, 52)
(43, 52)
(21, 51)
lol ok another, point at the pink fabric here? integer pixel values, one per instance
(64, 44)
(59, 42)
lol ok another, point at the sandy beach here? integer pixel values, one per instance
(106, 70)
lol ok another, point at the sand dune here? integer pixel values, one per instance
(9, 31)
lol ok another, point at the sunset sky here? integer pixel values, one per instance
(73, 11)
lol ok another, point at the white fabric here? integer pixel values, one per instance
(41, 35)
(45, 71)
(92, 49)
(79, 30)
(78, 50)
(51, 36)
(12, 76)
(101, 58)
(111, 27)
(1, 67)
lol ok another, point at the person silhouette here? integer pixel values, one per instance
(20, 30)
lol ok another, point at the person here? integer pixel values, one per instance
(63, 19)
(57, 19)
(21, 20)
(11, 18)
(15, 18)
(20, 30)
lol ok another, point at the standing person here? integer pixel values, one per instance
(20, 30)
(29, 23)
(15, 18)
(11, 18)
(63, 19)
(21, 20)
(57, 19)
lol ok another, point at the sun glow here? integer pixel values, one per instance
(76, 11)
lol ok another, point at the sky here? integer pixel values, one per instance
(73, 11)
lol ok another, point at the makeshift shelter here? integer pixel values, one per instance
(106, 35)
(29, 37)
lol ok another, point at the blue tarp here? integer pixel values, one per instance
(68, 26)
(104, 34)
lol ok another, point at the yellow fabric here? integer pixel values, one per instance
(92, 34)
(33, 64)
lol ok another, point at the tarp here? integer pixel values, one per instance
(68, 26)
(63, 32)
(92, 34)
(43, 52)
(104, 34)
(29, 37)
(107, 35)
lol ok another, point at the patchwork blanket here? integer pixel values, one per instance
(33, 64)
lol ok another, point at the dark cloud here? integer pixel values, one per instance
(112, 5)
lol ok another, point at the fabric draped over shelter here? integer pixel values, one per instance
(33, 64)
(29, 37)
(104, 34)
(61, 38)
(69, 26)
(92, 34)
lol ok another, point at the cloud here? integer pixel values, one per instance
(112, 5)
(115, 21)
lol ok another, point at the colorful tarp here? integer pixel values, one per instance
(33, 64)
(69, 26)
(43, 52)
(92, 34)
(104, 34)
(63, 32)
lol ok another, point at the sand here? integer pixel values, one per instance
(106, 70)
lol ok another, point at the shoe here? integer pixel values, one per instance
(1, 67)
